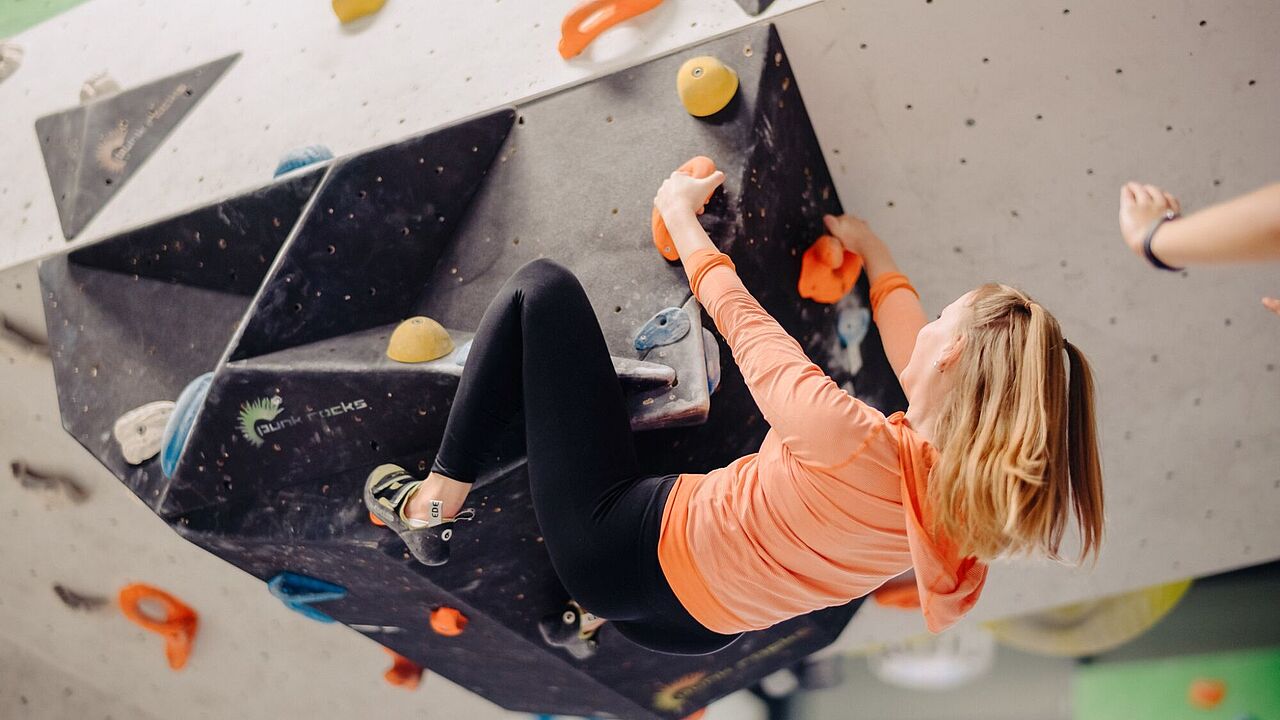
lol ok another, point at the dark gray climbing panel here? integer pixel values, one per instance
(755, 7)
(90, 151)
(290, 293)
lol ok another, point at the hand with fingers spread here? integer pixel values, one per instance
(1140, 207)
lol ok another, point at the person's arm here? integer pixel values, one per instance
(819, 423)
(896, 307)
(1243, 229)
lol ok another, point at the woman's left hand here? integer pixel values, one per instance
(683, 193)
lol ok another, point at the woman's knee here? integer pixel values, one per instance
(545, 279)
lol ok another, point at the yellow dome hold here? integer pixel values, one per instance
(348, 10)
(706, 85)
(419, 339)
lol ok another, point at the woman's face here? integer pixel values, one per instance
(939, 342)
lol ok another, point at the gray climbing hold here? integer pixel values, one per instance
(711, 351)
(666, 327)
(97, 87)
(301, 158)
(10, 59)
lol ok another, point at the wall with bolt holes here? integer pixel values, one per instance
(982, 142)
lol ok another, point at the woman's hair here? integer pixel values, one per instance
(1018, 446)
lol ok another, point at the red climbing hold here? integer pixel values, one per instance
(404, 672)
(828, 271)
(448, 621)
(178, 626)
(699, 167)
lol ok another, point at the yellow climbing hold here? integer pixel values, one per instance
(706, 85)
(348, 10)
(419, 339)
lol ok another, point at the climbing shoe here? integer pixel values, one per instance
(386, 494)
(573, 629)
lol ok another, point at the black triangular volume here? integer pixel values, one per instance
(364, 249)
(227, 246)
(91, 150)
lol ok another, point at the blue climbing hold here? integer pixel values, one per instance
(298, 592)
(668, 326)
(852, 325)
(711, 351)
(179, 426)
(462, 353)
(302, 157)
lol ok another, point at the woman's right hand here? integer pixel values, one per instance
(852, 232)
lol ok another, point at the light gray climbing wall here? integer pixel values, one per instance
(989, 142)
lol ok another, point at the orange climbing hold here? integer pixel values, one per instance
(404, 672)
(696, 714)
(699, 167)
(178, 626)
(585, 22)
(827, 271)
(1206, 694)
(448, 621)
(374, 519)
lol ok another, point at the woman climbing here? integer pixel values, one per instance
(994, 455)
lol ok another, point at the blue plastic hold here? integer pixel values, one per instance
(668, 326)
(711, 351)
(852, 325)
(302, 157)
(179, 426)
(462, 353)
(298, 592)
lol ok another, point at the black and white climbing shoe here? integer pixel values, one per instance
(386, 494)
(573, 629)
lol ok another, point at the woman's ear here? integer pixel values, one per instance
(951, 354)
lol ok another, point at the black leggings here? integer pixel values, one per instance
(539, 348)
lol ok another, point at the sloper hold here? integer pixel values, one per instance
(90, 151)
(665, 327)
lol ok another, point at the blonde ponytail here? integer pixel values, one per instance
(1017, 445)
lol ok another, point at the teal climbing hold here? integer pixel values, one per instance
(666, 327)
(298, 592)
(302, 157)
(178, 427)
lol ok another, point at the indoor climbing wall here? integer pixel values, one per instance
(303, 403)
(981, 142)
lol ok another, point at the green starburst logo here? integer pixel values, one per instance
(252, 413)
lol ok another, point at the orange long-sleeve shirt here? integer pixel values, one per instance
(829, 508)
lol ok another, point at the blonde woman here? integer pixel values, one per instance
(995, 455)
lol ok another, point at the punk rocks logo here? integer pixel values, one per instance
(262, 417)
